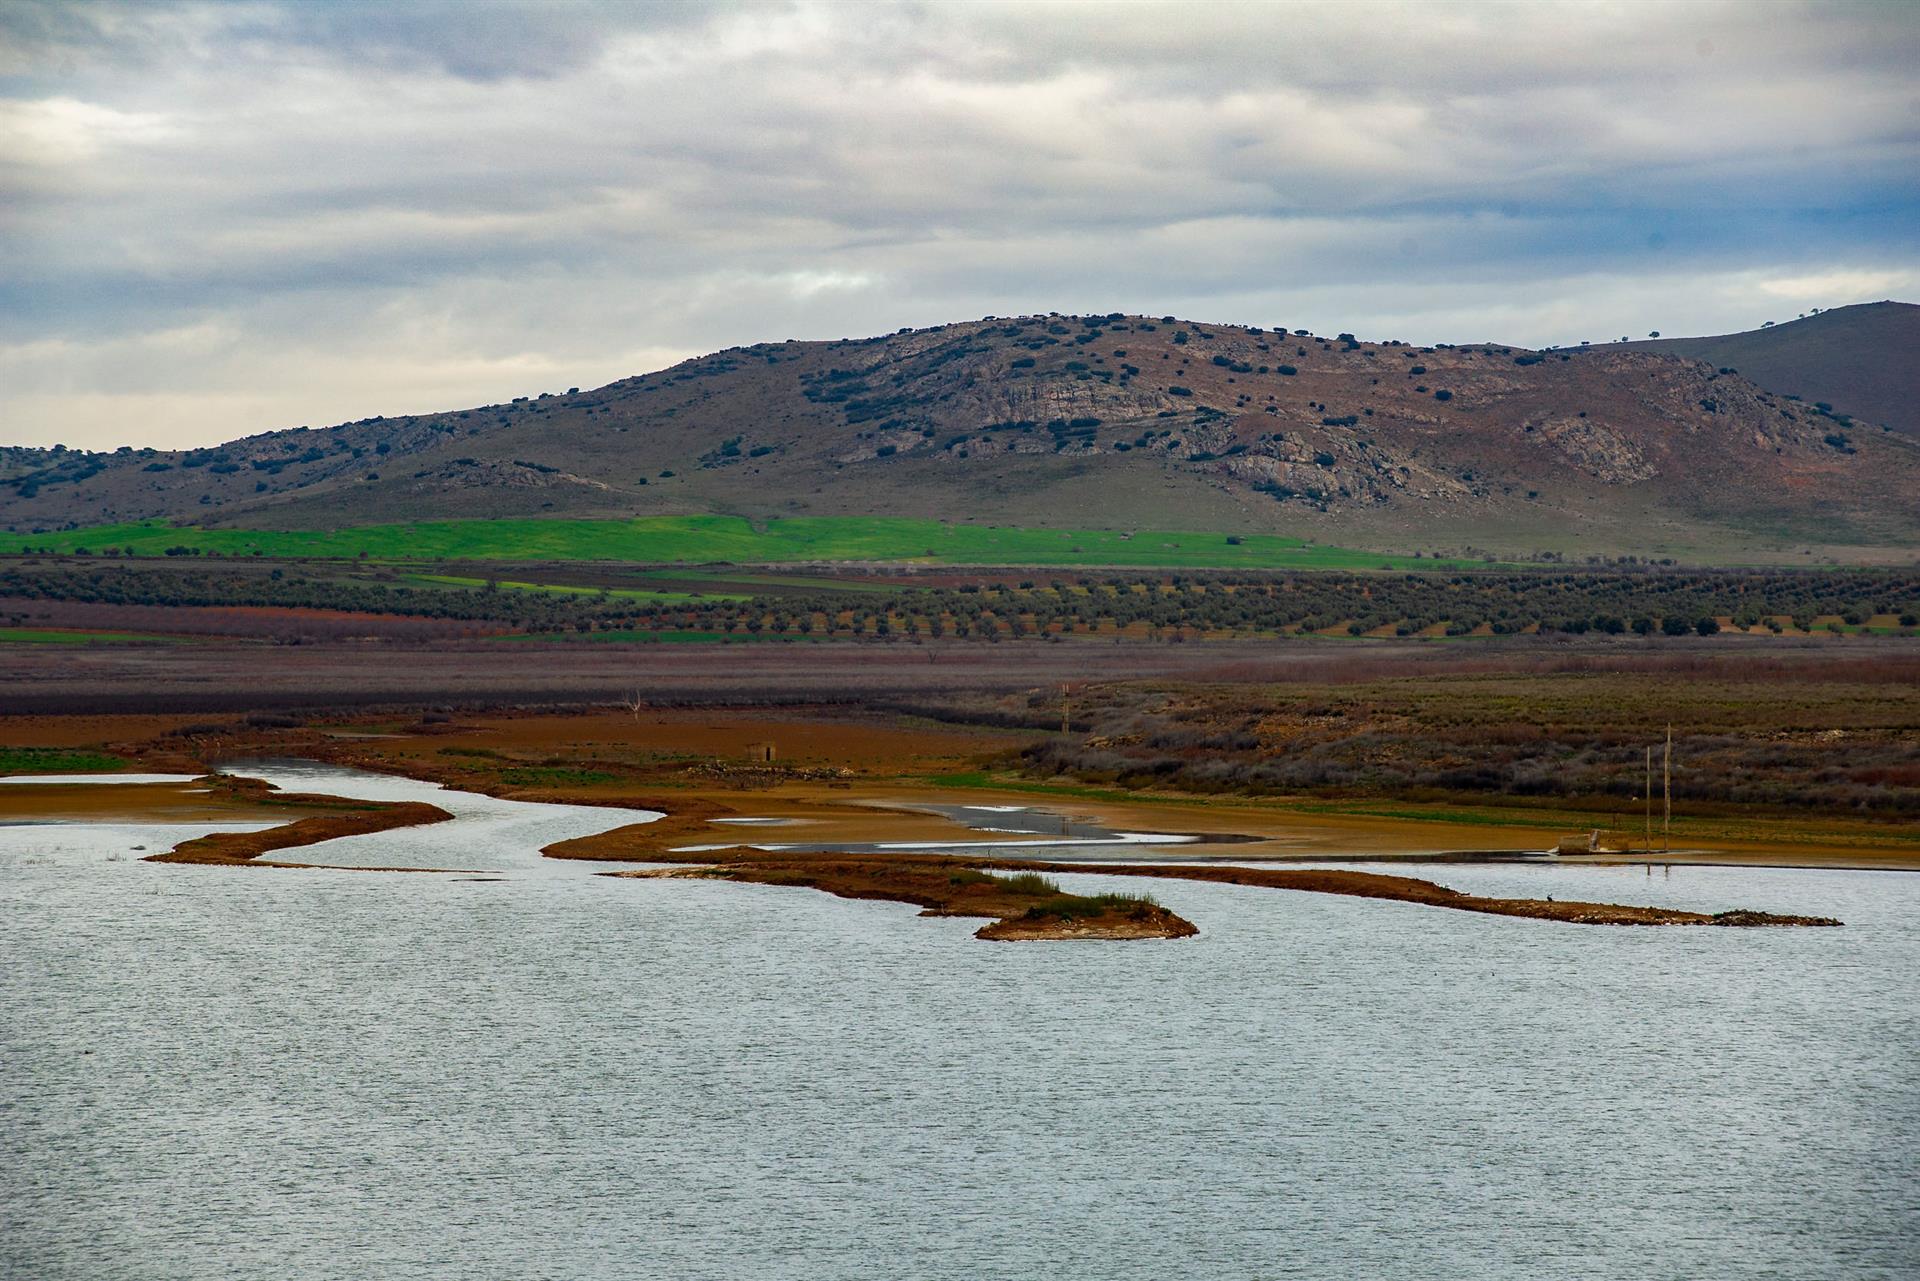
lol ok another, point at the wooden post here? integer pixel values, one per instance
(1666, 787)
(1066, 707)
(1647, 795)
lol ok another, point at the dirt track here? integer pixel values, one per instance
(226, 676)
(230, 678)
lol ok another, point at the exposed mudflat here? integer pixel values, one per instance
(855, 779)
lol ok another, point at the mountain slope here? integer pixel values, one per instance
(1863, 360)
(1105, 421)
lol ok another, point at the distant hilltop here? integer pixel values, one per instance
(1801, 434)
(1863, 360)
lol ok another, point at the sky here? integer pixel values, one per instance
(224, 218)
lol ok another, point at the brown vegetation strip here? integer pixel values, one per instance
(1025, 907)
(1407, 889)
(939, 884)
(243, 849)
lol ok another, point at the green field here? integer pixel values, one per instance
(56, 760)
(710, 539)
(47, 636)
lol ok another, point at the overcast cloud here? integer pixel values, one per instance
(223, 218)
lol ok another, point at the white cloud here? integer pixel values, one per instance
(60, 132)
(373, 210)
(1823, 287)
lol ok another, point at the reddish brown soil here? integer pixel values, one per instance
(835, 771)
(232, 677)
(253, 622)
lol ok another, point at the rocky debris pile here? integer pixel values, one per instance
(763, 775)
(1747, 917)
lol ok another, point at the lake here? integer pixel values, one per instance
(229, 1072)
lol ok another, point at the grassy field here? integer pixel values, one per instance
(48, 636)
(707, 539)
(56, 760)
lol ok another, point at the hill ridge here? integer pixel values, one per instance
(1857, 359)
(1090, 420)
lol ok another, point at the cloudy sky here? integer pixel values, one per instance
(219, 218)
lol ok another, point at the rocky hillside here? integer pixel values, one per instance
(1070, 420)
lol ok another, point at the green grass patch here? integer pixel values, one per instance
(1079, 907)
(709, 539)
(554, 776)
(57, 760)
(1032, 883)
(51, 636)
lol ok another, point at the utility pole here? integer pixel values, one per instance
(1066, 708)
(1666, 786)
(1647, 795)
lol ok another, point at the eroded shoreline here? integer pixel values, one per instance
(243, 849)
(943, 885)
(835, 769)
(860, 786)
(1014, 892)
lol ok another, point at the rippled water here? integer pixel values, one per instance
(214, 1072)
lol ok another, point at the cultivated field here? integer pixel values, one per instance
(706, 539)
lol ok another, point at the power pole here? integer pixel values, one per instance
(1066, 708)
(1647, 795)
(1666, 786)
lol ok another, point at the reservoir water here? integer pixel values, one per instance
(237, 1073)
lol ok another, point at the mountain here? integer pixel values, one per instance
(1862, 360)
(1107, 421)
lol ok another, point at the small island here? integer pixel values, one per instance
(338, 817)
(1025, 906)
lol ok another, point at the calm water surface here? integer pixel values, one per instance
(212, 1072)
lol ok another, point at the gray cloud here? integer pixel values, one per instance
(218, 218)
